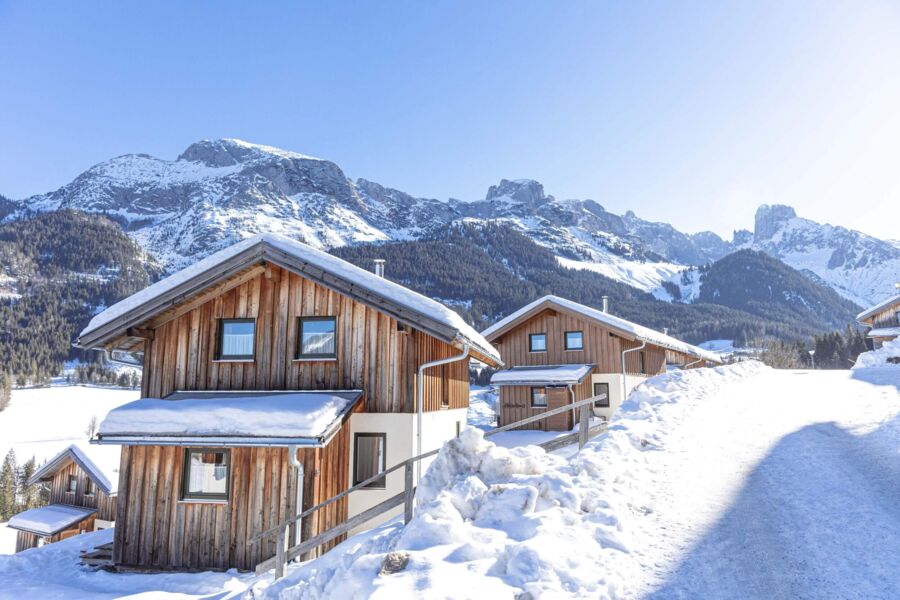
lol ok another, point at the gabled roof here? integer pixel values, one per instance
(49, 520)
(88, 459)
(273, 418)
(391, 298)
(624, 328)
(871, 312)
(542, 375)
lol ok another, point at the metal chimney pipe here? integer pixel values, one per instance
(379, 267)
(665, 331)
(605, 303)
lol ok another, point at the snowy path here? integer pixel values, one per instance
(785, 485)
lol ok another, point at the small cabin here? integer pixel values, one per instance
(559, 352)
(883, 321)
(275, 376)
(82, 497)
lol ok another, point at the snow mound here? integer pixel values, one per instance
(886, 356)
(502, 522)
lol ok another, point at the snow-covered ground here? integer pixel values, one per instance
(7, 539)
(734, 482)
(40, 422)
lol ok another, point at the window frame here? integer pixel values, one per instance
(594, 389)
(220, 337)
(298, 349)
(546, 396)
(643, 363)
(187, 496)
(531, 337)
(378, 484)
(71, 489)
(566, 340)
(88, 486)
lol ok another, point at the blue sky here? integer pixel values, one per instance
(691, 113)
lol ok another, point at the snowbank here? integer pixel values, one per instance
(880, 357)
(493, 521)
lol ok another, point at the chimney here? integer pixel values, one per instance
(605, 303)
(665, 331)
(379, 266)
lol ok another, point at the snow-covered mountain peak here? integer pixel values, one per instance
(527, 192)
(231, 151)
(770, 218)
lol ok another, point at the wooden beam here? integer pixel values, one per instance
(138, 332)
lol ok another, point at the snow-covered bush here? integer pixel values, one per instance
(886, 356)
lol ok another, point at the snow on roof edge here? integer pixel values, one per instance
(871, 311)
(413, 301)
(84, 461)
(639, 331)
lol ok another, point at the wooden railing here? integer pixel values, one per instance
(285, 554)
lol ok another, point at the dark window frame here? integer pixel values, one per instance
(298, 350)
(221, 336)
(643, 360)
(531, 337)
(187, 496)
(606, 405)
(378, 484)
(88, 486)
(71, 489)
(566, 340)
(546, 397)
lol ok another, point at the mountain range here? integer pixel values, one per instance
(219, 191)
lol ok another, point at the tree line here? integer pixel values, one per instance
(15, 494)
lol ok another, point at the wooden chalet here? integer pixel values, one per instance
(274, 376)
(82, 498)
(560, 351)
(883, 321)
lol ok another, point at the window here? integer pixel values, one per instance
(88, 487)
(537, 342)
(236, 339)
(369, 458)
(316, 337)
(574, 340)
(643, 362)
(71, 484)
(538, 397)
(601, 388)
(206, 474)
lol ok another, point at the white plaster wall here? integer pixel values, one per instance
(400, 444)
(615, 390)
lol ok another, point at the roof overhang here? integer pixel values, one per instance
(867, 314)
(550, 375)
(72, 454)
(139, 438)
(116, 333)
(49, 520)
(884, 332)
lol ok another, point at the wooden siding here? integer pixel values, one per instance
(372, 352)
(887, 317)
(105, 505)
(601, 347)
(157, 529)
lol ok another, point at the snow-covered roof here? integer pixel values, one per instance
(543, 375)
(874, 310)
(884, 332)
(382, 294)
(230, 418)
(49, 520)
(101, 464)
(645, 334)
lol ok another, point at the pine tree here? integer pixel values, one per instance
(8, 486)
(5, 390)
(30, 494)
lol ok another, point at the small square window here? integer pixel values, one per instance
(601, 388)
(537, 342)
(316, 337)
(236, 339)
(369, 458)
(574, 340)
(206, 474)
(88, 487)
(538, 397)
(72, 484)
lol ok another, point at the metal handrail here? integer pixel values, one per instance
(284, 554)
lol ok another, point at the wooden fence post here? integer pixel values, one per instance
(584, 426)
(409, 491)
(280, 550)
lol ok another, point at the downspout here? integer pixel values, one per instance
(420, 391)
(624, 372)
(295, 462)
(688, 366)
(572, 394)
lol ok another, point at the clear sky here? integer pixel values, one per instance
(691, 113)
